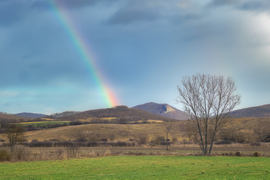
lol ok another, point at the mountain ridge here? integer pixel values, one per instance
(122, 112)
(256, 111)
(165, 110)
(30, 115)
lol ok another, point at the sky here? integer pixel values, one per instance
(67, 55)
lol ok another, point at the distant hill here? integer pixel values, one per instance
(30, 115)
(163, 110)
(258, 111)
(8, 116)
(118, 112)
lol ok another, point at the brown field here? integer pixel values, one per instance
(22, 153)
(47, 119)
(122, 132)
(125, 132)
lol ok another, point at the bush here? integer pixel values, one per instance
(238, 154)
(159, 139)
(174, 140)
(257, 154)
(4, 154)
(223, 142)
(255, 144)
(75, 123)
(19, 153)
(72, 151)
(112, 137)
(142, 138)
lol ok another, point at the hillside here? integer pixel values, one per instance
(163, 110)
(258, 111)
(242, 127)
(8, 116)
(122, 112)
(30, 115)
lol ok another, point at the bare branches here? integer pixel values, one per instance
(208, 100)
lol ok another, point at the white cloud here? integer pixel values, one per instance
(8, 93)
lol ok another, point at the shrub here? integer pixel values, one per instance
(19, 153)
(256, 154)
(75, 123)
(159, 139)
(185, 141)
(111, 137)
(72, 151)
(255, 144)
(238, 154)
(142, 138)
(174, 140)
(4, 154)
(223, 142)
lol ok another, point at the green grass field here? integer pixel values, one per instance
(141, 167)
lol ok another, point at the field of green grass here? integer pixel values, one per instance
(141, 167)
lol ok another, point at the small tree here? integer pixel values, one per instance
(208, 100)
(142, 138)
(168, 127)
(14, 134)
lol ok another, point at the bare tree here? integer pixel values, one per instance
(208, 100)
(168, 127)
(14, 134)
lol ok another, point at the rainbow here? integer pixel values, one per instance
(85, 53)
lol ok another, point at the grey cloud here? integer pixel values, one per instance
(133, 11)
(12, 11)
(68, 4)
(247, 5)
(180, 19)
(216, 3)
(255, 5)
(126, 16)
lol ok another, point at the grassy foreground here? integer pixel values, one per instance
(141, 167)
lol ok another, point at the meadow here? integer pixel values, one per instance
(141, 167)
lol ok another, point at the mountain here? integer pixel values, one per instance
(121, 112)
(258, 111)
(30, 115)
(163, 110)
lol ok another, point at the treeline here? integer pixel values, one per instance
(76, 144)
(38, 126)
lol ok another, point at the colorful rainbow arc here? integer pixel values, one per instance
(86, 56)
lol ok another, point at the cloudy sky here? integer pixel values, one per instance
(140, 49)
